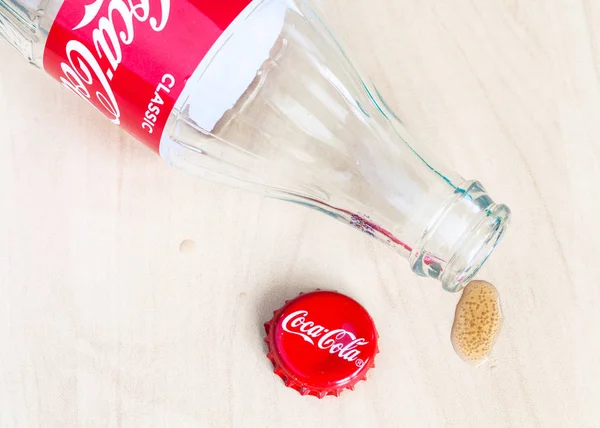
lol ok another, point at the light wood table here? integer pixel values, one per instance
(104, 322)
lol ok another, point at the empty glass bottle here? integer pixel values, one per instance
(259, 94)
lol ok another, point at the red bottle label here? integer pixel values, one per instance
(130, 59)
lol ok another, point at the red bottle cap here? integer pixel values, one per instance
(321, 343)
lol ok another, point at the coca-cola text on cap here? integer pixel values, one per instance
(321, 343)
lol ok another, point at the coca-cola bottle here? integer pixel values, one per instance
(259, 94)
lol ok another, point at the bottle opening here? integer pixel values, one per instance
(461, 237)
(476, 248)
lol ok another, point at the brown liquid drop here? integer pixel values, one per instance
(477, 321)
(187, 246)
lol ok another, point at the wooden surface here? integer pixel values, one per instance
(106, 322)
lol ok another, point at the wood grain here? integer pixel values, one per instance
(104, 322)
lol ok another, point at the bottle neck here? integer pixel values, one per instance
(444, 226)
(451, 246)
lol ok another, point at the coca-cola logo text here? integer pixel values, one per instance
(296, 323)
(82, 70)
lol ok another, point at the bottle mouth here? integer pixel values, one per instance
(460, 237)
(475, 248)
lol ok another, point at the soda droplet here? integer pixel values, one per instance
(477, 321)
(187, 246)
